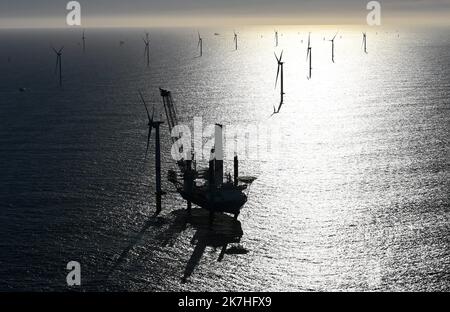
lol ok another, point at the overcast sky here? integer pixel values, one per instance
(136, 12)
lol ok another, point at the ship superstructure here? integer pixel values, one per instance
(209, 188)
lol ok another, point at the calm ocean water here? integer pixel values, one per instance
(357, 199)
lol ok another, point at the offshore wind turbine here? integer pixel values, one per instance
(309, 55)
(84, 41)
(147, 48)
(154, 124)
(332, 47)
(200, 44)
(58, 67)
(364, 42)
(280, 74)
(235, 40)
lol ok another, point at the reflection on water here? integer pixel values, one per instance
(225, 231)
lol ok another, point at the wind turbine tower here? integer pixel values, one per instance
(84, 41)
(200, 44)
(147, 48)
(58, 67)
(280, 73)
(309, 56)
(364, 42)
(332, 47)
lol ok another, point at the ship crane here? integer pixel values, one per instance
(170, 110)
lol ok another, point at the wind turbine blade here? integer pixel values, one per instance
(278, 73)
(60, 50)
(335, 36)
(150, 130)
(57, 63)
(281, 55)
(276, 57)
(148, 140)
(309, 45)
(145, 105)
(279, 107)
(153, 114)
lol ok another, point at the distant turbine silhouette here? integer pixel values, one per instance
(147, 48)
(235, 40)
(200, 44)
(84, 41)
(280, 74)
(58, 64)
(364, 42)
(332, 47)
(309, 56)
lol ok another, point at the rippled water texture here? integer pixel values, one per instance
(357, 198)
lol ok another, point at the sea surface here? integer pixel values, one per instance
(354, 198)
